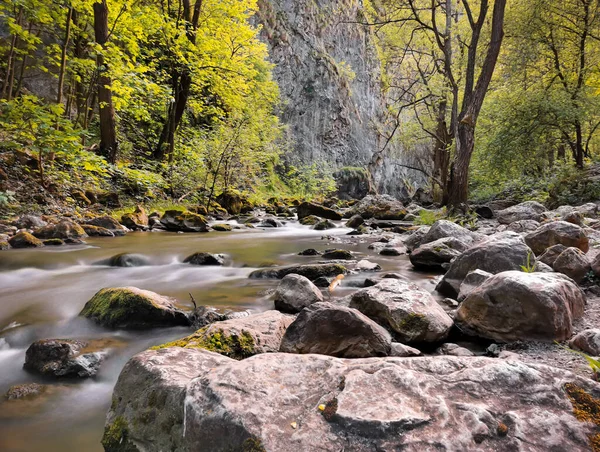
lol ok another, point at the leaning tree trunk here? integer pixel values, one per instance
(458, 191)
(108, 134)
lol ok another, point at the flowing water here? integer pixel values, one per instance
(43, 290)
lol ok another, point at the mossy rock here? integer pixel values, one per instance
(63, 230)
(323, 225)
(4, 245)
(178, 220)
(133, 308)
(24, 240)
(310, 220)
(236, 346)
(222, 227)
(53, 242)
(115, 438)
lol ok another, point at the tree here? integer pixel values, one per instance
(108, 132)
(437, 29)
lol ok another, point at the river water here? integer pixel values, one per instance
(43, 290)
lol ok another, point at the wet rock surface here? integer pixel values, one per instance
(63, 358)
(289, 402)
(294, 293)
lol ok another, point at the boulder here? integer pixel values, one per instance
(338, 254)
(233, 202)
(309, 252)
(574, 218)
(205, 259)
(63, 230)
(187, 400)
(587, 341)
(241, 337)
(56, 242)
(96, 231)
(4, 245)
(365, 265)
(108, 222)
(498, 253)
(62, 358)
(128, 260)
(432, 255)
(473, 280)
(355, 221)
(551, 254)
(453, 350)
(130, 307)
(557, 232)
(137, 220)
(323, 225)
(390, 252)
(410, 312)
(294, 293)
(328, 329)
(444, 228)
(414, 240)
(573, 263)
(178, 220)
(308, 208)
(310, 271)
(310, 220)
(222, 227)
(29, 222)
(380, 207)
(530, 210)
(7, 229)
(523, 226)
(595, 265)
(150, 392)
(24, 240)
(403, 351)
(513, 306)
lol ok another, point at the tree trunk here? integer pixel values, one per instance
(63, 57)
(458, 191)
(108, 135)
(579, 150)
(10, 62)
(441, 154)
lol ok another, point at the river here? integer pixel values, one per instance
(43, 290)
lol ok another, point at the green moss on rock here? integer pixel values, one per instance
(236, 346)
(115, 436)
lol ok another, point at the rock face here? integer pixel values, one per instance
(310, 271)
(271, 403)
(328, 329)
(498, 253)
(296, 292)
(380, 207)
(178, 220)
(62, 358)
(557, 232)
(409, 311)
(307, 209)
(63, 230)
(529, 210)
(512, 306)
(240, 337)
(130, 307)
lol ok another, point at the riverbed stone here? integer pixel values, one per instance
(108, 222)
(587, 341)
(557, 232)
(181, 221)
(409, 311)
(453, 350)
(327, 329)
(515, 305)
(309, 252)
(523, 226)
(241, 337)
(25, 391)
(64, 230)
(498, 253)
(573, 263)
(432, 255)
(136, 220)
(529, 210)
(296, 292)
(307, 209)
(289, 403)
(380, 207)
(355, 221)
(323, 225)
(25, 240)
(63, 358)
(338, 254)
(473, 280)
(133, 308)
(205, 259)
(413, 241)
(128, 260)
(310, 271)
(29, 221)
(444, 228)
(96, 231)
(551, 254)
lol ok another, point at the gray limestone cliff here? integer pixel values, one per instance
(329, 76)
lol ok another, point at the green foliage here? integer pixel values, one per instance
(529, 267)
(429, 217)
(592, 362)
